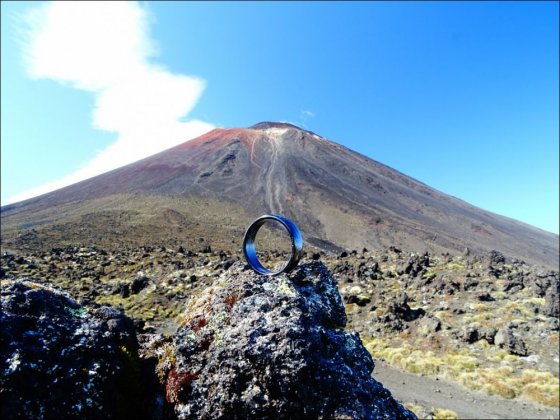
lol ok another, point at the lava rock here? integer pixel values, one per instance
(514, 282)
(400, 305)
(120, 289)
(398, 312)
(121, 326)
(543, 281)
(255, 346)
(496, 257)
(485, 297)
(505, 339)
(139, 284)
(470, 283)
(58, 360)
(124, 290)
(471, 335)
(431, 323)
(446, 286)
(494, 271)
(358, 300)
(552, 302)
(415, 266)
(489, 333)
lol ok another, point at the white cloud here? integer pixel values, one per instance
(305, 114)
(105, 48)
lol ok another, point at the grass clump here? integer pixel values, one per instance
(443, 413)
(482, 317)
(496, 386)
(502, 355)
(463, 367)
(458, 362)
(416, 409)
(543, 387)
(428, 365)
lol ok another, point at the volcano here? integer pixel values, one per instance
(206, 191)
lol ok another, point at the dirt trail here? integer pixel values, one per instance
(431, 392)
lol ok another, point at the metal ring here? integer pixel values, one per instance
(250, 251)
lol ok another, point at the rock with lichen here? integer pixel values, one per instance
(253, 346)
(59, 359)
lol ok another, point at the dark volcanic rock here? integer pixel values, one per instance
(505, 338)
(398, 312)
(540, 283)
(552, 301)
(139, 284)
(121, 326)
(496, 257)
(470, 283)
(488, 334)
(57, 360)
(514, 282)
(471, 334)
(547, 284)
(416, 265)
(253, 346)
(431, 323)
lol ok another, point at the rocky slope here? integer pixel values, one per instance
(249, 346)
(213, 186)
(486, 322)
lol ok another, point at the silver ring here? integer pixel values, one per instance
(250, 251)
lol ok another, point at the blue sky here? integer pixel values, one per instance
(462, 96)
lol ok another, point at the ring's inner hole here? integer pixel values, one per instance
(273, 245)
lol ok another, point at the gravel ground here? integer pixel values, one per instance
(431, 392)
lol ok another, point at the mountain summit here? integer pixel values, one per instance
(211, 187)
(270, 124)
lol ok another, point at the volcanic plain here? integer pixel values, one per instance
(436, 288)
